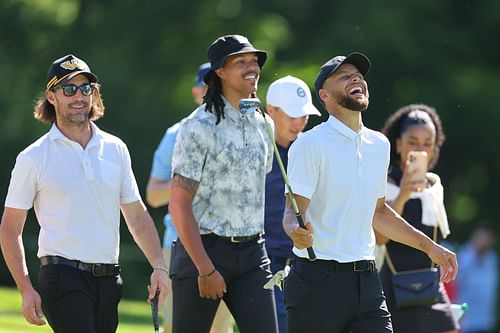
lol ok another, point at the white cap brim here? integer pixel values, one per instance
(297, 111)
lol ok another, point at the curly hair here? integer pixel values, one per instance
(394, 129)
(46, 113)
(213, 96)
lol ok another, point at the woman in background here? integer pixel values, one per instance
(415, 128)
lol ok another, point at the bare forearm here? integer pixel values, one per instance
(143, 230)
(13, 252)
(158, 192)
(146, 237)
(398, 204)
(391, 225)
(181, 209)
(189, 234)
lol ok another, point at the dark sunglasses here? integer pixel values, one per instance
(70, 89)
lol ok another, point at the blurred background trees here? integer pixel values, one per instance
(441, 53)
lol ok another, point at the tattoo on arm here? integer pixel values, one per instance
(187, 184)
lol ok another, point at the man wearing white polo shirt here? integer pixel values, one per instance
(78, 178)
(338, 172)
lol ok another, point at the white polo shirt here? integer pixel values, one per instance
(343, 173)
(76, 193)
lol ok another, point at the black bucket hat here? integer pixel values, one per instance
(229, 45)
(64, 69)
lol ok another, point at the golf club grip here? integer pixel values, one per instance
(154, 311)
(310, 251)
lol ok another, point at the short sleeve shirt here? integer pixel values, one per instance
(76, 193)
(230, 161)
(343, 173)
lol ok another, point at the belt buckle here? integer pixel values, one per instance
(356, 269)
(234, 239)
(98, 270)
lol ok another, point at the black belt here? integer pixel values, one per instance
(95, 269)
(353, 266)
(237, 239)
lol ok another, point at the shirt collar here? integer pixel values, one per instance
(56, 134)
(344, 129)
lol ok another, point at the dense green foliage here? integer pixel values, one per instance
(145, 53)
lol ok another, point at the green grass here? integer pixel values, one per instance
(135, 316)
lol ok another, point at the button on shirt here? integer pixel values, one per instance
(76, 193)
(230, 161)
(343, 173)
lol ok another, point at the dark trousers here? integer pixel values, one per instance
(323, 296)
(245, 268)
(77, 302)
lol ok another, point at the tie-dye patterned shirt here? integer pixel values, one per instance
(230, 161)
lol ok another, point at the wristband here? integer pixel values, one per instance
(207, 275)
(161, 268)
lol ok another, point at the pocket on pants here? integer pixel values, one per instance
(181, 265)
(48, 280)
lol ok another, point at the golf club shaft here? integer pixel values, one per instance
(310, 251)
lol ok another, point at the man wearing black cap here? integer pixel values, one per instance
(158, 194)
(220, 163)
(338, 172)
(78, 178)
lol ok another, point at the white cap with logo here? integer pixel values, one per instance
(293, 96)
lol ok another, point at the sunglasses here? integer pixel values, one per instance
(70, 89)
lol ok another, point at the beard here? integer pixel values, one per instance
(353, 104)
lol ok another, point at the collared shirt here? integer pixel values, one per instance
(76, 193)
(230, 161)
(162, 169)
(343, 173)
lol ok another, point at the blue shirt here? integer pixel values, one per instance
(162, 169)
(477, 283)
(278, 244)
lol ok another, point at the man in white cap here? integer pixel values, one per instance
(289, 104)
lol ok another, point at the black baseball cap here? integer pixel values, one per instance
(229, 45)
(64, 69)
(357, 59)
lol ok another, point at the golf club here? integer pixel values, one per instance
(154, 311)
(248, 105)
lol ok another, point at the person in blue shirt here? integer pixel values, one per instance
(289, 104)
(158, 194)
(477, 281)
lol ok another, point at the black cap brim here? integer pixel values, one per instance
(91, 76)
(261, 60)
(359, 60)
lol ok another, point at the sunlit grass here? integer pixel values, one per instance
(135, 316)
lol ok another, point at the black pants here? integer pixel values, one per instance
(322, 296)
(74, 301)
(245, 268)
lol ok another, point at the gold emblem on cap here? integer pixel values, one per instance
(73, 64)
